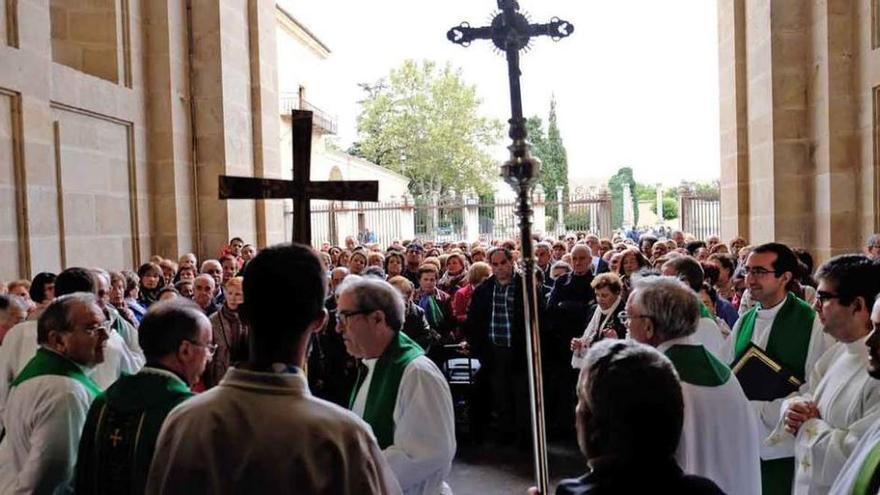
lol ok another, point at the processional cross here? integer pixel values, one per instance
(301, 189)
(511, 32)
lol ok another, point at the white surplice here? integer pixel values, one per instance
(44, 417)
(851, 469)
(710, 336)
(20, 346)
(266, 433)
(849, 404)
(719, 437)
(768, 411)
(424, 427)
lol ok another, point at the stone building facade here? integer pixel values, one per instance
(800, 121)
(117, 116)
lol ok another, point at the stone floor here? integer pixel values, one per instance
(491, 469)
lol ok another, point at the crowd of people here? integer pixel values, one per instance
(324, 371)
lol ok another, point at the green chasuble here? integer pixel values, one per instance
(868, 481)
(121, 431)
(697, 366)
(705, 313)
(788, 344)
(382, 395)
(46, 362)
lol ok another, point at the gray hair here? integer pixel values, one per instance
(873, 240)
(205, 276)
(206, 263)
(582, 247)
(371, 293)
(58, 316)
(672, 307)
(617, 424)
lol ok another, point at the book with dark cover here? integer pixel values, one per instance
(762, 378)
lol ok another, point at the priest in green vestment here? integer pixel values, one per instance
(123, 423)
(787, 330)
(403, 396)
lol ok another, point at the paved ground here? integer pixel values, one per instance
(490, 469)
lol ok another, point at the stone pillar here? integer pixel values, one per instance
(434, 215)
(659, 204)
(539, 223)
(560, 208)
(628, 216)
(470, 217)
(734, 119)
(407, 218)
(233, 120)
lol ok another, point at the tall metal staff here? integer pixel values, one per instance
(511, 32)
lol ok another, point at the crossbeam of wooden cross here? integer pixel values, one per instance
(301, 189)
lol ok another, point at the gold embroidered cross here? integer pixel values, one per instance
(811, 432)
(115, 437)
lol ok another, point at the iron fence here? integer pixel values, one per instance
(700, 214)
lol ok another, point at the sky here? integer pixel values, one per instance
(636, 84)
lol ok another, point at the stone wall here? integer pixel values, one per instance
(798, 122)
(103, 160)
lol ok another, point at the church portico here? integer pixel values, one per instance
(798, 122)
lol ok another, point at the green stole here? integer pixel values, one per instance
(866, 479)
(697, 366)
(46, 362)
(382, 396)
(788, 344)
(705, 313)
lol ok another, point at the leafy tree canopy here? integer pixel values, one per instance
(423, 122)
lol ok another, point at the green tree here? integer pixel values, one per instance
(423, 121)
(615, 187)
(670, 208)
(551, 151)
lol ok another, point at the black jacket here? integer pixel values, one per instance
(652, 476)
(569, 307)
(479, 317)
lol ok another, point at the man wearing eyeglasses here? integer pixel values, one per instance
(123, 423)
(49, 398)
(861, 473)
(403, 396)
(717, 438)
(788, 330)
(841, 401)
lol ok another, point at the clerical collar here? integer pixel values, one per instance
(162, 367)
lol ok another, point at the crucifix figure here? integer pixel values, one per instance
(301, 189)
(511, 32)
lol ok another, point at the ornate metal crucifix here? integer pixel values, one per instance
(301, 189)
(511, 32)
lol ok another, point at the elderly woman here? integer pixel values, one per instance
(605, 322)
(132, 293)
(415, 325)
(455, 275)
(631, 261)
(117, 298)
(376, 259)
(461, 300)
(230, 335)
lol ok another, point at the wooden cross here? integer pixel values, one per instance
(301, 189)
(115, 438)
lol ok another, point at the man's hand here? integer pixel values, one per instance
(799, 413)
(609, 333)
(533, 491)
(577, 344)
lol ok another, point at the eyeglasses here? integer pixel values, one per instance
(757, 271)
(822, 297)
(210, 348)
(343, 316)
(627, 318)
(93, 330)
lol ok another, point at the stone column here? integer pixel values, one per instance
(407, 218)
(628, 216)
(539, 223)
(734, 119)
(560, 208)
(231, 96)
(470, 217)
(659, 204)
